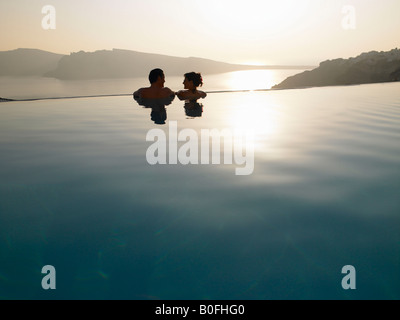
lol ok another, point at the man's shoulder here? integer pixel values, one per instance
(139, 91)
(143, 92)
(166, 89)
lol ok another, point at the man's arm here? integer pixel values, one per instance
(170, 92)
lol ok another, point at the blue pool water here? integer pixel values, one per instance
(77, 193)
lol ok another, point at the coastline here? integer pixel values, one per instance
(368, 67)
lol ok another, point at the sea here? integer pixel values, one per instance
(112, 195)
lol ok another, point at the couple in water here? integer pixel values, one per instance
(158, 91)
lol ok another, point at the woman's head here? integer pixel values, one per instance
(193, 80)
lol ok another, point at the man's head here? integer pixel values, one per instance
(155, 75)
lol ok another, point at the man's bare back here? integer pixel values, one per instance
(156, 89)
(154, 93)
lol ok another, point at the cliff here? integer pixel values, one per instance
(371, 67)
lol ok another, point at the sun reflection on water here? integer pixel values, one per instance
(258, 114)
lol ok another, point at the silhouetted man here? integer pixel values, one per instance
(156, 89)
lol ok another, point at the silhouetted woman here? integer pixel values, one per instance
(192, 81)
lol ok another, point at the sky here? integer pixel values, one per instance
(279, 32)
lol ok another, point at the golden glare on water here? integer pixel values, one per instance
(258, 114)
(251, 79)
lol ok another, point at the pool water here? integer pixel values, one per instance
(78, 193)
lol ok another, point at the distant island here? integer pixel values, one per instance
(110, 64)
(370, 67)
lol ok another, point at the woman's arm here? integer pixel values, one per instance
(187, 95)
(181, 94)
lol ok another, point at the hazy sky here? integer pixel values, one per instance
(250, 31)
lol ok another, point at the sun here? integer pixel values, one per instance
(250, 79)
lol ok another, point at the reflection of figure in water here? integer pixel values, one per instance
(193, 109)
(156, 89)
(191, 83)
(158, 110)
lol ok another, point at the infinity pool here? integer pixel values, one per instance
(77, 192)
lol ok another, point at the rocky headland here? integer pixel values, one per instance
(370, 67)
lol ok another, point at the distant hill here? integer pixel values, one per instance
(106, 64)
(127, 64)
(27, 62)
(371, 67)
